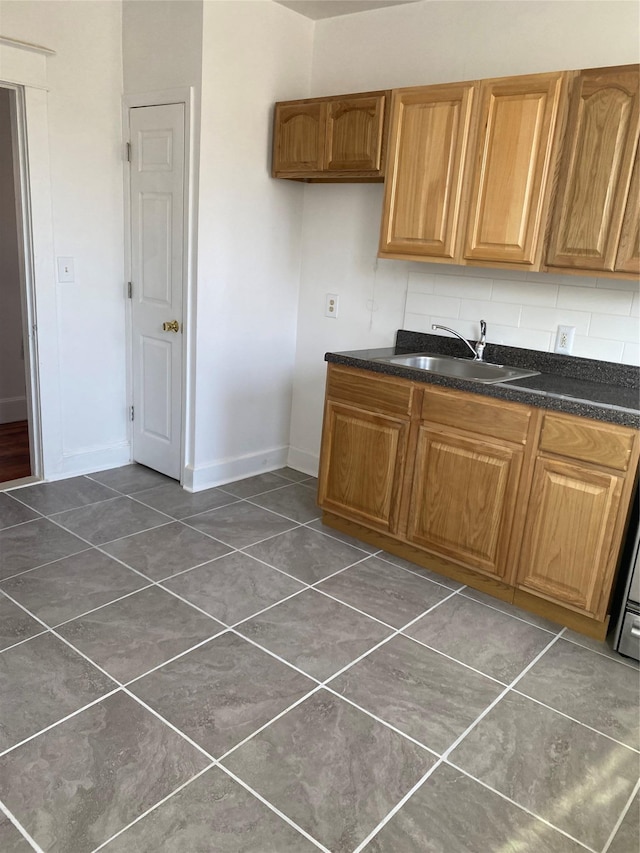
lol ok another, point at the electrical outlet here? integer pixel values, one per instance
(331, 305)
(564, 339)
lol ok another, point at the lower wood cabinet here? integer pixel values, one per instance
(363, 465)
(567, 548)
(463, 498)
(528, 504)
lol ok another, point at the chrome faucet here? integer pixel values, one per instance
(478, 349)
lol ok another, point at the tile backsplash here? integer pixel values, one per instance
(524, 309)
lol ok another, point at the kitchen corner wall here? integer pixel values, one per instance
(437, 42)
(249, 240)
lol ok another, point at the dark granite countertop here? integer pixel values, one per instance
(602, 390)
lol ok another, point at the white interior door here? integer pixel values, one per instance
(157, 270)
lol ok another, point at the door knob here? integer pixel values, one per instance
(172, 326)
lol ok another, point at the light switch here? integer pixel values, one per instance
(65, 270)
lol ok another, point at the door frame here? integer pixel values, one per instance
(27, 275)
(185, 96)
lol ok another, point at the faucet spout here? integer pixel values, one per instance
(478, 349)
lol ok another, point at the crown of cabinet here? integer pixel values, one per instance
(335, 139)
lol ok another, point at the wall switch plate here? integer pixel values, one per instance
(331, 305)
(564, 339)
(65, 269)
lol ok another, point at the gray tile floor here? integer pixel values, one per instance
(220, 672)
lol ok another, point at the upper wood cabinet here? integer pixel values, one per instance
(597, 163)
(429, 136)
(512, 160)
(468, 168)
(298, 144)
(330, 139)
(628, 259)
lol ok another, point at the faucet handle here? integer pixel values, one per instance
(483, 329)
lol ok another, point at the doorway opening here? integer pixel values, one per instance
(19, 422)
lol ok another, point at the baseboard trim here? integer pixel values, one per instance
(88, 461)
(13, 409)
(228, 470)
(302, 460)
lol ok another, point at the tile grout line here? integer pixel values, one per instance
(575, 720)
(48, 563)
(225, 627)
(336, 539)
(24, 640)
(139, 500)
(289, 575)
(62, 719)
(519, 806)
(418, 573)
(273, 808)
(324, 684)
(195, 647)
(401, 802)
(385, 723)
(119, 686)
(505, 613)
(294, 525)
(621, 659)
(623, 814)
(23, 832)
(167, 723)
(445, 755)
(316, 689)
(461, 591)
(154, 807)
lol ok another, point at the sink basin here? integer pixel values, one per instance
(460, 368)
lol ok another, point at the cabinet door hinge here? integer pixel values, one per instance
(128, 151)
(129, 290)
(130, 413)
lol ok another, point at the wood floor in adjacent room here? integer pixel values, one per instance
(15, 461)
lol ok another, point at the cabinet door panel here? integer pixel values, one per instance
(568, 534)
(628, 259)
(354, 134)
(299, 138)
(463, 499)
(600, 142)
(423, 193)
(511, 165)
(362, 465)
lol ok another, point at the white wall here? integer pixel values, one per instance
(161, 44)
(85, 84)
(254, 53)
(13, 404)
(434, 42)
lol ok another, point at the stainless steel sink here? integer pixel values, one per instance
(460, 368)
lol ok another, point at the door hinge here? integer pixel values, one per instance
(128, 147)
(129, 290)
(130, 413)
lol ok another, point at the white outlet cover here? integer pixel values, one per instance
(564, 339)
